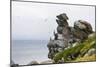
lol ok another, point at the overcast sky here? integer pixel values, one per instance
(38, 20)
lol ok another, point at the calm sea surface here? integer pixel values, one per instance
(25, 51)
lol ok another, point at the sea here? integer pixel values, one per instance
(25, 51)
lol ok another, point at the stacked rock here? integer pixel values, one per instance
(57, 44)
(66, 35)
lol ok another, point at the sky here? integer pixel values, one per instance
(37, 21)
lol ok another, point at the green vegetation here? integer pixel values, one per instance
(79, 51)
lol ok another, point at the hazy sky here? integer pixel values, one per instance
(38, 21)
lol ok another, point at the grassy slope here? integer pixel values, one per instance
(81, 49)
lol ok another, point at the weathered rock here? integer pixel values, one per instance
(91, 52)
(79, 34)
(62, 22)
(81, 29)
(60, 29)
(47, 62)
(62, 16)
(67, 36)
(60, 37)
(33, 63)
(91, 35)
(84, 26)
(55, 46)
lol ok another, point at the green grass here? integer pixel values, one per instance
(81, 49)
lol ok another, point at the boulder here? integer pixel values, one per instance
(91, 35)
(91, 52)
(81, 29)
(84, 26)
(33, 63)
(47, 62)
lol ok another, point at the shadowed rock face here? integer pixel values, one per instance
(66, 35)
(55, 46)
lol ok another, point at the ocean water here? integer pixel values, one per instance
(25, 51)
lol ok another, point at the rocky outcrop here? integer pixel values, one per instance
(67, 36)
(83, 51)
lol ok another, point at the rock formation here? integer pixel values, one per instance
(66, 35)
